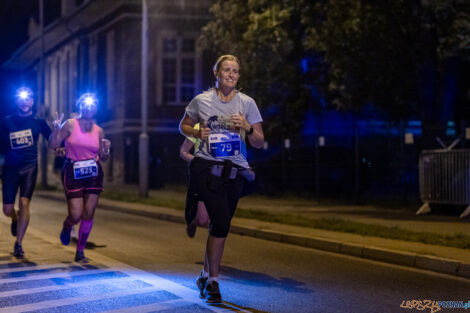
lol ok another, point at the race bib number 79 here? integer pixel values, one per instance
(85, 169)
(223, 145)
(21, 139)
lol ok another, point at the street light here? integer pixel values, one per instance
(144, 138)
(41, 85)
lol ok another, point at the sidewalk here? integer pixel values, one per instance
(448, 260)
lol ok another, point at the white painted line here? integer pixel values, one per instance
(35, 267)
(65, 286)
(56, 275)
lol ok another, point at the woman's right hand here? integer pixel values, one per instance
(204, 132)
(57, 122)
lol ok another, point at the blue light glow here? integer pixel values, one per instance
(24, 93)
(87, 101)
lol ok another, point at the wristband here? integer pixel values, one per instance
(250, 131)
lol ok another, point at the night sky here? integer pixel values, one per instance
(14, 20)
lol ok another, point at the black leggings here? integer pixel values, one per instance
(220, 195)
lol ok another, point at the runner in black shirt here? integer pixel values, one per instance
(19, 134)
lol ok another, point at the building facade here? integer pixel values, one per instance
(96, 46)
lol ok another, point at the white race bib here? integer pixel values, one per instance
(85, 169)
(21, 139)
(225, 144)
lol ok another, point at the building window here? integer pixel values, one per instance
(179, 80)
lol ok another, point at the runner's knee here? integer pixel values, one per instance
(8, 209)
(24, 204)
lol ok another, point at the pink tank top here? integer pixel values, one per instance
(82, 145)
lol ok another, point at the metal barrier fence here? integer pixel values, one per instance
(444, 177)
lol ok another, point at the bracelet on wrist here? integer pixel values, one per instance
(250, 131)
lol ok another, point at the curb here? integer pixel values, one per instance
(420, 261)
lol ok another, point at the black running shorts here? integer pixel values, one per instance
(76, 188)
(220, 195)
(18, 177)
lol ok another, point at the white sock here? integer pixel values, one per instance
(211, 278)
(204, 274)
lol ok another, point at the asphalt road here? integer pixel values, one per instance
(258, 275)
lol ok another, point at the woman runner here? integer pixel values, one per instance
(219, 168)
(82, 174)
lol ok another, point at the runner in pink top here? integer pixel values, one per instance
(82, 145)
(82, 173)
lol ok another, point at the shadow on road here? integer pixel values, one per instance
(263, 280)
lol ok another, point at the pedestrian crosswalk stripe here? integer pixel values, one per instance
(41, 271)
(97, 302)
(29, 267)
(92, 279)
(58, 279)
(9, 265)
(71, 292)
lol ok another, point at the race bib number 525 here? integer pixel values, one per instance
(21, 139)
(85, 169)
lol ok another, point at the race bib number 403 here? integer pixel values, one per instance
(223, 145)
(85, 169)
(21, 139)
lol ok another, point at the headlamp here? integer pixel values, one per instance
(24, 94)
(87, 101)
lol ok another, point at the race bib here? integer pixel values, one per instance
(223, 145)
(21, 139)
(85, 169)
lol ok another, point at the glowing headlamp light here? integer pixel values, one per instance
(87, 101)
(24, 94)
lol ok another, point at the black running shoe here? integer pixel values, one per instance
(80, 257)
(65, 234)
(18, 250)
(191, 229)
(213, 293)
(14, 223)
(201, 284)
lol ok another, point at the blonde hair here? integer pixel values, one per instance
(221, 59)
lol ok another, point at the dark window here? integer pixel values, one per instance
(178, 70)
(169, 71)
(188, 45)
(169, 94)
(169, 45)
(187, 93)
(187, 71)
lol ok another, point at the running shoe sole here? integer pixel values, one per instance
(201, 284)
(80, 257)
(18, 251)
(213, 296)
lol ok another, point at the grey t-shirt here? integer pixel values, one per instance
(224, 142)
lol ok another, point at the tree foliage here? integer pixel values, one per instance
(266, 35)
(378, 51)
(371, 52)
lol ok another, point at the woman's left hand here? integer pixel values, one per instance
(106, 146)
(240, 122)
